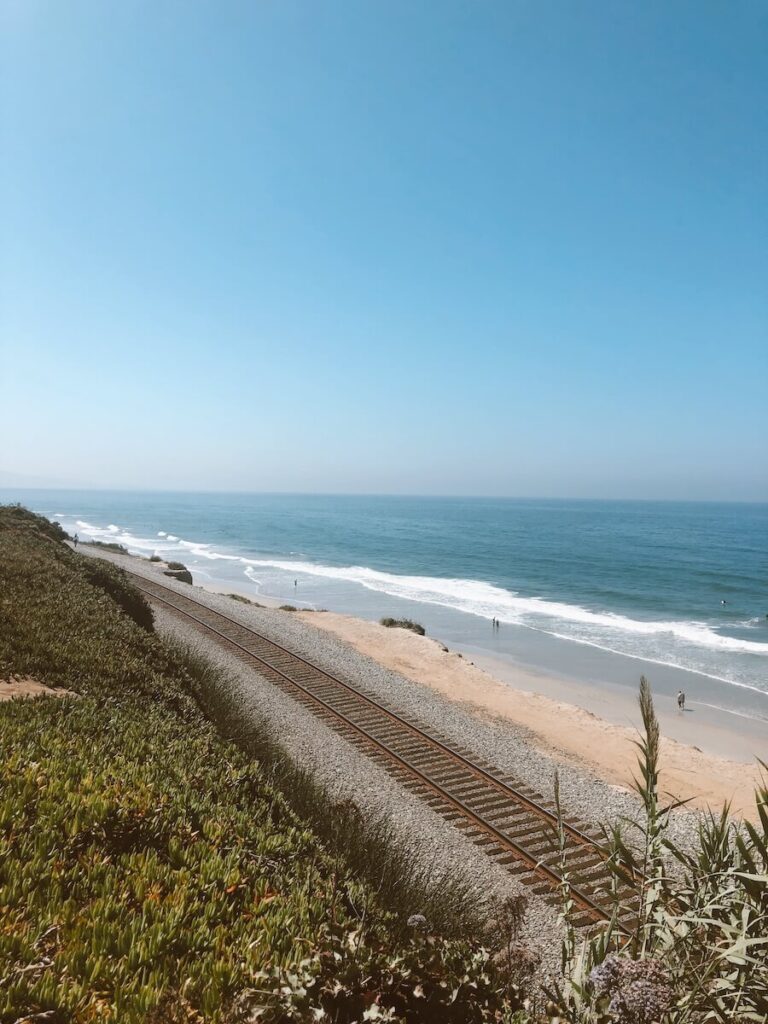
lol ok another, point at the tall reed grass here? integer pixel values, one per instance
(698, 951)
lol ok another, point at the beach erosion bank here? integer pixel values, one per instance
(708, 758)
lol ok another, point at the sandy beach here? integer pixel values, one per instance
(708, 758)
(703, 762)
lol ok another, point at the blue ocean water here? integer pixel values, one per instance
(680, 586)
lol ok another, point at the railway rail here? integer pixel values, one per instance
(514, 825)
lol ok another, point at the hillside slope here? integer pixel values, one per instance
(148, 869)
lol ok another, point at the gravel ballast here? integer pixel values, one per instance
(348, 774)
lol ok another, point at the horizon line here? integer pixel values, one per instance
(388, 494)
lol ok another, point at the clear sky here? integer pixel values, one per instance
(511, 248)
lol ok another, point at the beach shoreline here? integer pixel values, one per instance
(708, 758)
(718, 768)
(554, 619)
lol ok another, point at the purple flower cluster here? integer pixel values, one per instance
(640, 990)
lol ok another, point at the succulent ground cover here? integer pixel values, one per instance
(149, 870)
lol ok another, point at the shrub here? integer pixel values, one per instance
(109, 545)
(245, 600)
(155, 558)
(415, 627)
(18, 516)
(239, 597)
(288, 608)
(428, 982)
(183, 575)
(178, 566)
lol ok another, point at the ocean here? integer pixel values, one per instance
(589, 590)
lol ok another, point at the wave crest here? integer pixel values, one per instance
(476, 597)
(647, 639)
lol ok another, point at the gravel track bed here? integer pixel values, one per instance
(506, 745)
(347, 772)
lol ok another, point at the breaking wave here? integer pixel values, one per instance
(692, 644)
(484, 599)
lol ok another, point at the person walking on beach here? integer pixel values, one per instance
(75, 539)
(681, 700)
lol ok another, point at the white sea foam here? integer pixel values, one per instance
(680, 644)
(478, 598)
(250, 573)
(656, 657)
(204, 551)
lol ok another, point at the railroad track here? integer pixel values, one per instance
(514, 825)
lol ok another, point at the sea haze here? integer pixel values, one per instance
(587, 589)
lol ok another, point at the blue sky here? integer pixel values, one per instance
(435, 247)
